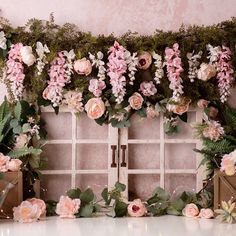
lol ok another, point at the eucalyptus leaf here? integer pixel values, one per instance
(86, 210)
(74, 193)
(87, 196)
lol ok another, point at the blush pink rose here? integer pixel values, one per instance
(190, 210)
(227, 165)
(202, 103)
(14, 165)
(67, 208)
(206, 213)
(4, 160)
(179, 107)
(95, 108)
(137, 208)
(136, 101)
(206, 71)
(26, 212)
(41, 204)
(144, 60)
(83, 66)
(21, 141)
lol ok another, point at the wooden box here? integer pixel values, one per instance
(224, 188)
(15, 195)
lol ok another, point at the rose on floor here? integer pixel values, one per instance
(137, 208)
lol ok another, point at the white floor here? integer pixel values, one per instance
(158, 226)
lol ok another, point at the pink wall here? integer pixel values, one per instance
(107, 16)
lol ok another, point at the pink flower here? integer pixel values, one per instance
(83, 66)
(228, 165)
(213, 131)
(213, 112)
(152, 112)
(179, 107)
(21, 141)
(26, 212)
(148, 88)
(137, 208)
(4, 160)
(41, 205)
(136, 101)
(96, 86)
(190, 210)
(95, 108)
(14, 165)
(202, 103)
(206, 71)
(144, 60)
(67, 208)
(206, 213)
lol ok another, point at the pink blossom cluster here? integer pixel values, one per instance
(213, 131)
(96, 86)
(15, 71)
(148, 88)
(225, 73)
(174, 69)
(117, 66)
(58, 79)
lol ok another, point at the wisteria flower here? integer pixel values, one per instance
(67, 208)
(148, 88)
(41, 51)
(3, 41)
(159, 73)
(99, 64)
(132, 63)
(95, 108)
(190, 210)
(136, 101)
(83, 66)
(73, 100)
(193, 62)
(27, 55)
(137, 208)
(96, 86)
(144, 60)
(26, 212)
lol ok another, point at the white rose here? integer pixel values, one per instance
(27, 56)
(206, 72)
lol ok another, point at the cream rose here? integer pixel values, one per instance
(144, 60)
(14, 165)
(202, 103)
(4, 160)
(206, 213)
(26, 212)
(190, 210)
(206, 72)
(83, 66)
(67, 208)
(21, 141)
(95, 108)
(27, 55)
(136, 101)
(137, 208)
(180, 107)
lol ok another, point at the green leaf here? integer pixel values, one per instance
(161, 193)
(17, 129)
(26, 127)
(96, 208)
(34, 161)
(51, 207)
(18, 110)
(87, 196)
(120, 187)
(142, 113)
(14, 123)
(120, 209)
(21, 152)
(105, 196)
(184, 117)
(74, 193)
(86, 210)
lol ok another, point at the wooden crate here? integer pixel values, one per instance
(15, 195)
(224, 188)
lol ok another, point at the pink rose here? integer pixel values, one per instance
(21, 141)
(83, 66)
(41, 205)
(14, 165)
(202, 103)
(228, 165)
(67, 208)
(95, 108)
(206, 71)
(136, 101)
(206, 213)
(4, 160)
(26, 212)
(96, 86)
(190, 210)
(144, 60)
(137, 208)
(179, 107)
(213, 112)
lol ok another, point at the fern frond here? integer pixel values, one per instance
(24, 152)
